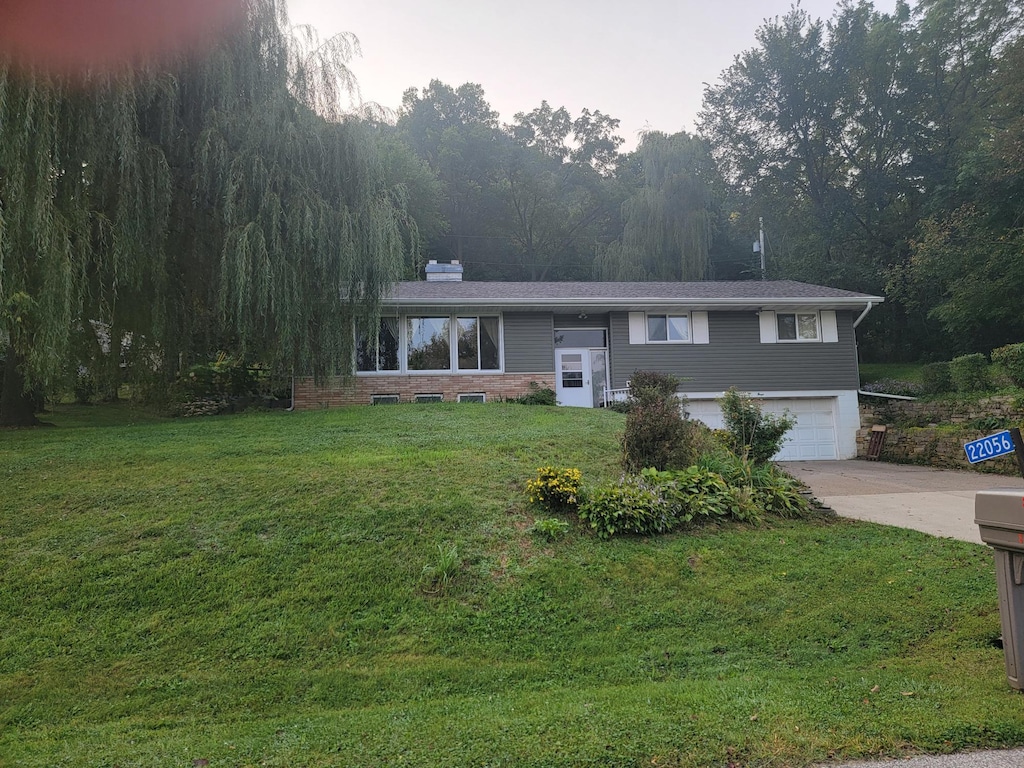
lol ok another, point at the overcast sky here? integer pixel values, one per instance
(643, 62)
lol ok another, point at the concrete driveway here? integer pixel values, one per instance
(936, 501)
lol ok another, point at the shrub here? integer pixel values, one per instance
(779, 494)
(651, 386)
(771, 489)
(657, 435)
(557, 490)
(936, 379)
(536, 395)
(227, 376)
(1011, 357)
(550, 528)
(699, 494)
(970, 373)
(752, 433)
(629, 506)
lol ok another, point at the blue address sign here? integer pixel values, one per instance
(985, 448)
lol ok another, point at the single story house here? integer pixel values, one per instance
(791, 345)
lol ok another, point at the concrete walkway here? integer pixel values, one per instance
(996, 758)
(936, 501)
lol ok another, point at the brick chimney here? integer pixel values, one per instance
(450, 273)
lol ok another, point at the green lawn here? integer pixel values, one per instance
(249, 590)
(870, 372)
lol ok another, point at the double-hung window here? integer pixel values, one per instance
(669, 329)
(797, 326)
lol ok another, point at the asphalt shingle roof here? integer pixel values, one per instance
(597, 292)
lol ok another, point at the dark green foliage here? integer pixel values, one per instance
(670, 217)
(651, 386)
(216, 201)
(525, 200)
(721, 487)
(936, 378)
(696, 495)
(772, 490)
(970, 373)
(653, 435)
(226, 376)
(628, 506)
(618, 406)
(988, 423)
(752, 433)
(536, 395)
(1011, 357)
(657, 435)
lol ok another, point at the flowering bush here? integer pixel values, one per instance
(556, 489)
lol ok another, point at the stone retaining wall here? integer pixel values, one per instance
(876, 410)
(934, 433)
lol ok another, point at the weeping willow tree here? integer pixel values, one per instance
(222, 203)
(61, 249)
(668, 220)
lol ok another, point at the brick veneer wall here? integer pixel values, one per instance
(358, 390)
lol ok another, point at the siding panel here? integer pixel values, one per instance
(529, 342)
(575, 321)
(736, 357)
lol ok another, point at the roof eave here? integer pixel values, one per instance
(624, 303)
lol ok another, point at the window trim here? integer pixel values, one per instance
(479, 329)
(817, 328)
(667, 315)
(377, 371)
(404, 344)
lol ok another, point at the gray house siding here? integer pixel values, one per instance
(575, 321)
(736, 357)
(529, 342)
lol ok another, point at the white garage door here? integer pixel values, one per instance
(813, 437)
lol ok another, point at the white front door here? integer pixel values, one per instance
(582, 376)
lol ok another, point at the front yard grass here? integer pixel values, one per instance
(249, 590)
(871, 372)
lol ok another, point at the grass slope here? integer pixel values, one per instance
(248, 590)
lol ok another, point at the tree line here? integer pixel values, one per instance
(225, 202)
